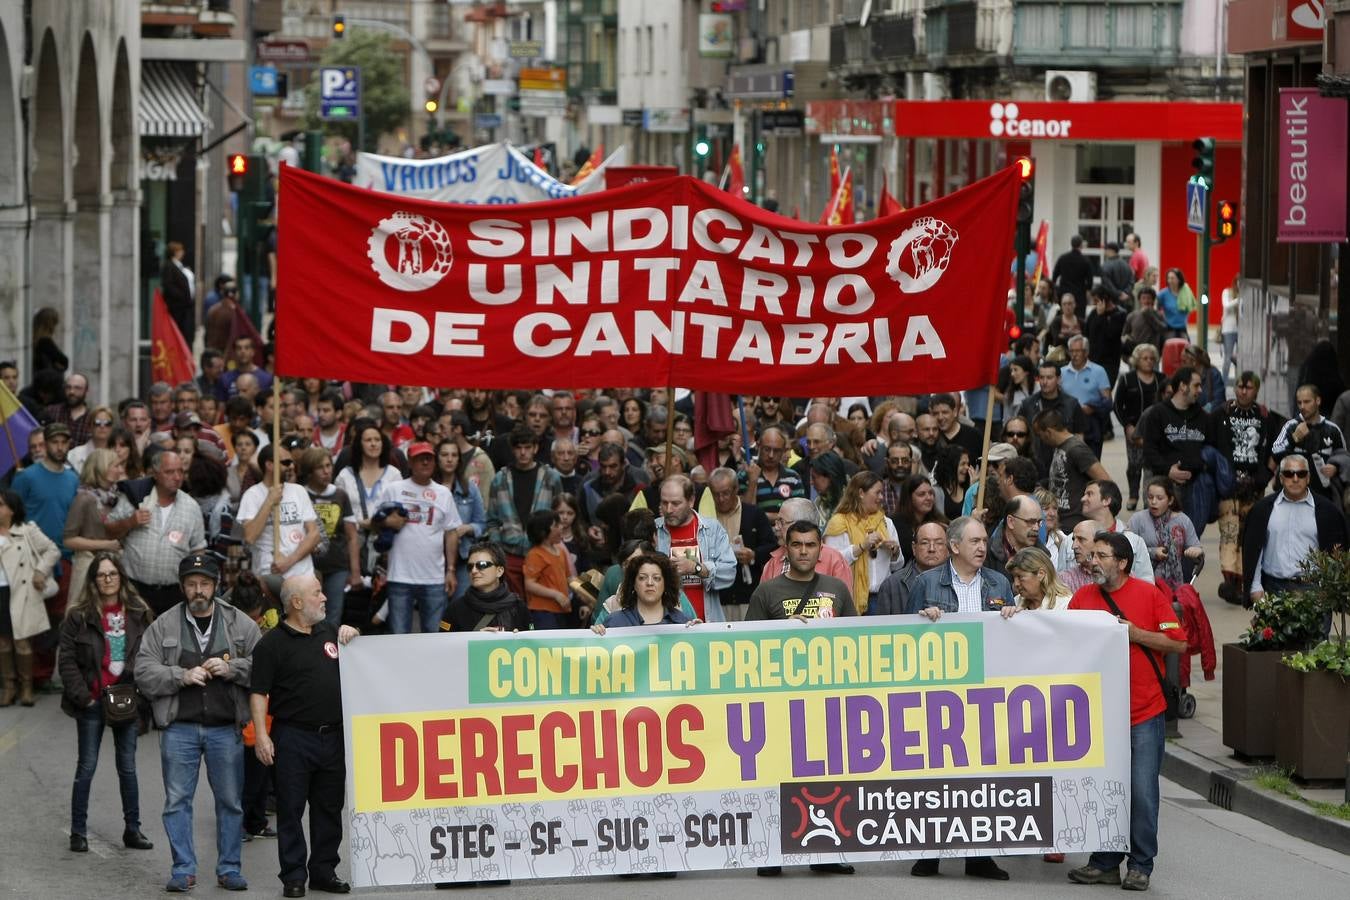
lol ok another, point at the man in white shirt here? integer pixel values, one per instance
(299, 524)
(422, 560)
(1283, 528)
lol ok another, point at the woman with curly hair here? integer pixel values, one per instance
(650, 594)
(100, 637)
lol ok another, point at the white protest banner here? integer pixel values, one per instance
(474, 757)
(491, 174)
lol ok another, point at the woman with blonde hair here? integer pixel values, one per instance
(100, 637)
(86, 532)
(1036, 582)
(861, 531)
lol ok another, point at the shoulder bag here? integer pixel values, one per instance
(119, 703)
(1171, 692)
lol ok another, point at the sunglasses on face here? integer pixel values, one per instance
(587, 432)
(102, 423)
(1015, 434)
(483, 565)
(1294, 473)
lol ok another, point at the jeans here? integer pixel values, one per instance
(89, 729)
(334, 589)
(311, 770)
(1230, 353)
(461, 579)
(1146, 755)
(428, 599)
(181, 748)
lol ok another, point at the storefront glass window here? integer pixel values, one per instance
(1104, 196)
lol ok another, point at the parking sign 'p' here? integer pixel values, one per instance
(332, 81)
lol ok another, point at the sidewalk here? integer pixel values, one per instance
(1198, 760)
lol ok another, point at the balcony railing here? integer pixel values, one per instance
(1105, 31)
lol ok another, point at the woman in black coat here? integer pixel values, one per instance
(100, 637)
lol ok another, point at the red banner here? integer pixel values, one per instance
(668, 282)
(170, 358)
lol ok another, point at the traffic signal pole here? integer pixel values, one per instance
(1203, 243)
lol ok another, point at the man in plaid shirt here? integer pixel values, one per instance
(521, 488)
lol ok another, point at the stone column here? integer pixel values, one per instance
(122, 320)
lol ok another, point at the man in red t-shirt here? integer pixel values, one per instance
(1154, 631)
(699, 547)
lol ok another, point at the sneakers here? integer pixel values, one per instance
(79, 843)
(232, 881)
(1093, 875)
(181, 884)
(1134, 881)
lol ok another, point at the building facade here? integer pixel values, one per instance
(69, 190)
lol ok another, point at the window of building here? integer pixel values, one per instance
(1103, 195)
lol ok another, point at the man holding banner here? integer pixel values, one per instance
(1154, 631)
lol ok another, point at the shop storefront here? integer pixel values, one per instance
(1103, 169)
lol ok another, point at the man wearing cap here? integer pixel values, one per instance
(426, 544)
(998, 455)
(159, 524)
(299, 523)
(295, 680)
(194, 666)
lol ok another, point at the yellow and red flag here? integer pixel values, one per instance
(584, 172)
(840, 210)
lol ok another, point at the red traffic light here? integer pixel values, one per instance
(1025, 167)
(236, 168)
(1014, 332)
(1227, 218)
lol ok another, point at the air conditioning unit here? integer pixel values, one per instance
(1070, 86)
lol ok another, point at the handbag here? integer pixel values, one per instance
(51, 586)
(1171, 692)
(119, 703)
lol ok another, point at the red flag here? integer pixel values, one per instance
(887, 205)
(539, 157)
(170, 356)
(736, 183)
(1042, 237)
(584, 172)
(840, 210)
(713, 421)
(242, 326)
(834, 171)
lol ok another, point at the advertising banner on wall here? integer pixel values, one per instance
(664, 282)
(1312, 177)
(669, 748)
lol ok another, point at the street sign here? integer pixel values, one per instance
(262, 81)
(1197, 200)
(487, 121)
(340, 92)
(431, 85)
(525, 49)
(283, 52)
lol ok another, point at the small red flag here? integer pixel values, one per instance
(1042, 238)
(713, 420)
(840, 210)
(170, 356)
(539, 157)
(887, 205)
(242, 326)
(834, 172)
(736, 182)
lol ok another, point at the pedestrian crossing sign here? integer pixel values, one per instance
(1197, 200)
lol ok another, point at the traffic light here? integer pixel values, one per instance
(1014, 332)
(339, 26)
(237, 170)
(1228, 216)
(702, 148)
(1203, 163)
(431, 105)
(1026, 198)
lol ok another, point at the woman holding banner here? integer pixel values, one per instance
(867, 539)
(650, 595)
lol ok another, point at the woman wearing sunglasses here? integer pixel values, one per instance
(488, 604)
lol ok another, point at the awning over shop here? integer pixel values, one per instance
(168, 106)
